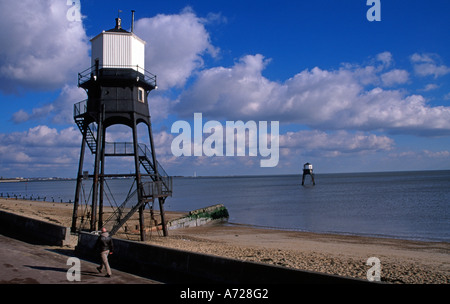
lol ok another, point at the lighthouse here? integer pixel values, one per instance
(308, 170)
(118, 87)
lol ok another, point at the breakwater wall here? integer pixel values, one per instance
(32, 230)
(178, 266)
(199, 217)
(32, 197)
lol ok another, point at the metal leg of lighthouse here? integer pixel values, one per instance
(163, 221)
(102, 180)
(161, 200)
(96, 174)
(79, 180)
(305, 172)
(138, 182)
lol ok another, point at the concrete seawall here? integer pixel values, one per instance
(179, 266)
(32, 230)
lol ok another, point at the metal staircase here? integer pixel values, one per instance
(79, 115)
(131, 204)
(117, 219)
(90, 137)
(162, 182)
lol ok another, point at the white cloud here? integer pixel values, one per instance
(334, 144)
(44, 50)
(394, 77)
(43, 136)
(430, 87)
(159, 106)
(438, 154)
(20, 116)
(424, 156)
(427, 65)
(385, 58)
(41, 149)
(294, 147)
(60, 110)
(175, 45)
(239, 91)
(323, 99)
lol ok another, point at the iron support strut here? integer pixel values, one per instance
(96, 173)
(138, 181)
(102, 180)
(79, 180)
(158, 177)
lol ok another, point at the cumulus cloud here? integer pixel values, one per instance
(159, 106)
(44, 49)
(224, 92)
(175, 45)
(43, 136)
(394, 77)
(426, 157)
(40, 148)
(293, 147)
(385, 58)
(428, 65)
(318, 98)
(60, 111)
(430, 87)
(335, 143)
(438, 154)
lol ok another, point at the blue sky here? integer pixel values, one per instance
(350, 95)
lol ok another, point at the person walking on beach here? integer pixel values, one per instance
(105, 246)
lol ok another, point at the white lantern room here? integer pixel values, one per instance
(118, 48)
(307, 166)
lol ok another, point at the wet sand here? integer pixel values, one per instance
(402, 261)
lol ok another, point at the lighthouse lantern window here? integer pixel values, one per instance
(141, 94)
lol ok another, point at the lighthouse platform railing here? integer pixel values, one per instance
(133, 71)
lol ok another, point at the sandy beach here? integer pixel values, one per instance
(402, 261)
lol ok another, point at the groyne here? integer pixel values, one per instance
(33, 197)
(212, 214)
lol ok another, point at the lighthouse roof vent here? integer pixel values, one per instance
(118, 28)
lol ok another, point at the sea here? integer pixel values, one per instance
(404, 205)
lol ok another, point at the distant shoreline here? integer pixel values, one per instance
(22, 179)
(33, 179)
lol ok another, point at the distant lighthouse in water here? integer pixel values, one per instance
(308, 170)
